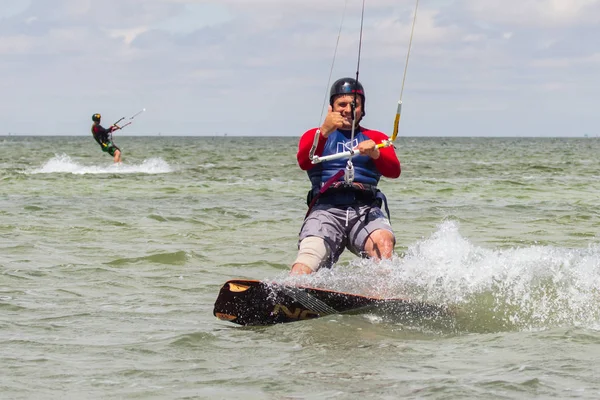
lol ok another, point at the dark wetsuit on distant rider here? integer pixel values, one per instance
(104, 138)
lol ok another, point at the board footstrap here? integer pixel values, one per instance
(308, 301)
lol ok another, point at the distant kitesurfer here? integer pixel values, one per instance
(346, 214)
(104, 138)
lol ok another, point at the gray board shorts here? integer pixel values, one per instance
(344, 227)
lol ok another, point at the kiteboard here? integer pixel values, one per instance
(253, 302)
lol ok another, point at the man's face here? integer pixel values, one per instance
(343, 105)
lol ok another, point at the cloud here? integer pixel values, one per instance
(262, 66)
(538, 13)
(16, 44)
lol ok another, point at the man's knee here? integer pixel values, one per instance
(313, 253)
(380, 244)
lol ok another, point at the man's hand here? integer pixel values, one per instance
(114, 128)
(369, 148)
(334, 121)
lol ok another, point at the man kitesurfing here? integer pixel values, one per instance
(344, 162)
(104, 135)
(344, 202)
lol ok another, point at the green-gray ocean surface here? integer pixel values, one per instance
(108, 273)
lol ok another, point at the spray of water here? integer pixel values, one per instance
(489, 290)
(62, 163)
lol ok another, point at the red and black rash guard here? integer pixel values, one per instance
(101, 134)
(366, 170)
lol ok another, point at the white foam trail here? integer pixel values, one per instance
(64, 164)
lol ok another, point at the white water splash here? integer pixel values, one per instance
(533, 287)
(64, 164)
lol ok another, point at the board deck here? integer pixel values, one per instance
(252, 302)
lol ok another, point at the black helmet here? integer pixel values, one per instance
(96, 117)
(347, 86)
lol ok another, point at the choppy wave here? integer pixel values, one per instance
(62, 163)
(528, 288)
(169, 258)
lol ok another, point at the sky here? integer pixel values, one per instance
(516, 68)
